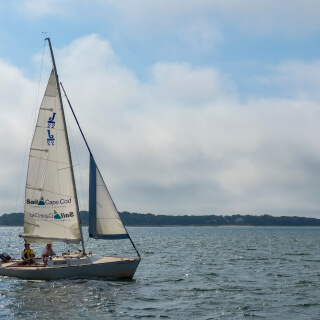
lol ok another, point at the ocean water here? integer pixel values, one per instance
(185, 273)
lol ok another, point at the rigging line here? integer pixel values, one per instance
(76, 119)
(33, 114)
(135, 248)
(98, 169)
(83, 200)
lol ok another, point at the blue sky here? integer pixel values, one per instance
(194, 107)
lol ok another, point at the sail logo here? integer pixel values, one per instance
(63, 215)
(50, 139)
(48, 202)
(51, 124)
(41, 202)
(28, 201)
(57, 216)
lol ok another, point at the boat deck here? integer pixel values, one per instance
(64, 261)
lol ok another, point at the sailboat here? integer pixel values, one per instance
(51, 211)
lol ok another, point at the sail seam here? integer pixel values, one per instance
(48, 160)
(64, 168)
(33, 188)
(57, 224)
(58, 194)
(35, 149)
(31, 224)
(44, 127)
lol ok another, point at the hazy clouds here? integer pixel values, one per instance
(184, 138)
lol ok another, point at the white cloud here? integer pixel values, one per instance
(16, 97)
(181, 142)
(189, 86)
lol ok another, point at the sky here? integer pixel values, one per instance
(189, 107)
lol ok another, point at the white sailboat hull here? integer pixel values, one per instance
(91, 266)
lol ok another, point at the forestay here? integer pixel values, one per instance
(104, 220)
(50, 196)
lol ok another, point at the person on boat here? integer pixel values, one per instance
(27, 255)
(47, 252)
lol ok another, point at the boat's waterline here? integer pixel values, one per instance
(90, 266)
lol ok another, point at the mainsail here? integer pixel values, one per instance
(51, 209)
(104, 220)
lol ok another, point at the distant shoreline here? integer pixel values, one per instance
(150, 220)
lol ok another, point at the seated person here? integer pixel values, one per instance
(47, 252)
(27, 255)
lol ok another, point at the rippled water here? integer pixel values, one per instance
(185, 273)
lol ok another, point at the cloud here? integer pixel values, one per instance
(192, 27)
(293, 79)
(188, 85)
(16, 96)
(40, 8)
(147, 32)
(258, 16)
(298, 78)
(280, 17)
(181, 141)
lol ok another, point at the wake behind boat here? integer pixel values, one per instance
(51, 212)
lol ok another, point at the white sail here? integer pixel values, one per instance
(104, 220)
(50, 212)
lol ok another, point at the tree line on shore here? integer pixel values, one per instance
(149, 219)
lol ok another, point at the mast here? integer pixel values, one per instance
(66, 135)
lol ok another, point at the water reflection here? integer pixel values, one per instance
(65, 299)
(191, 273)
